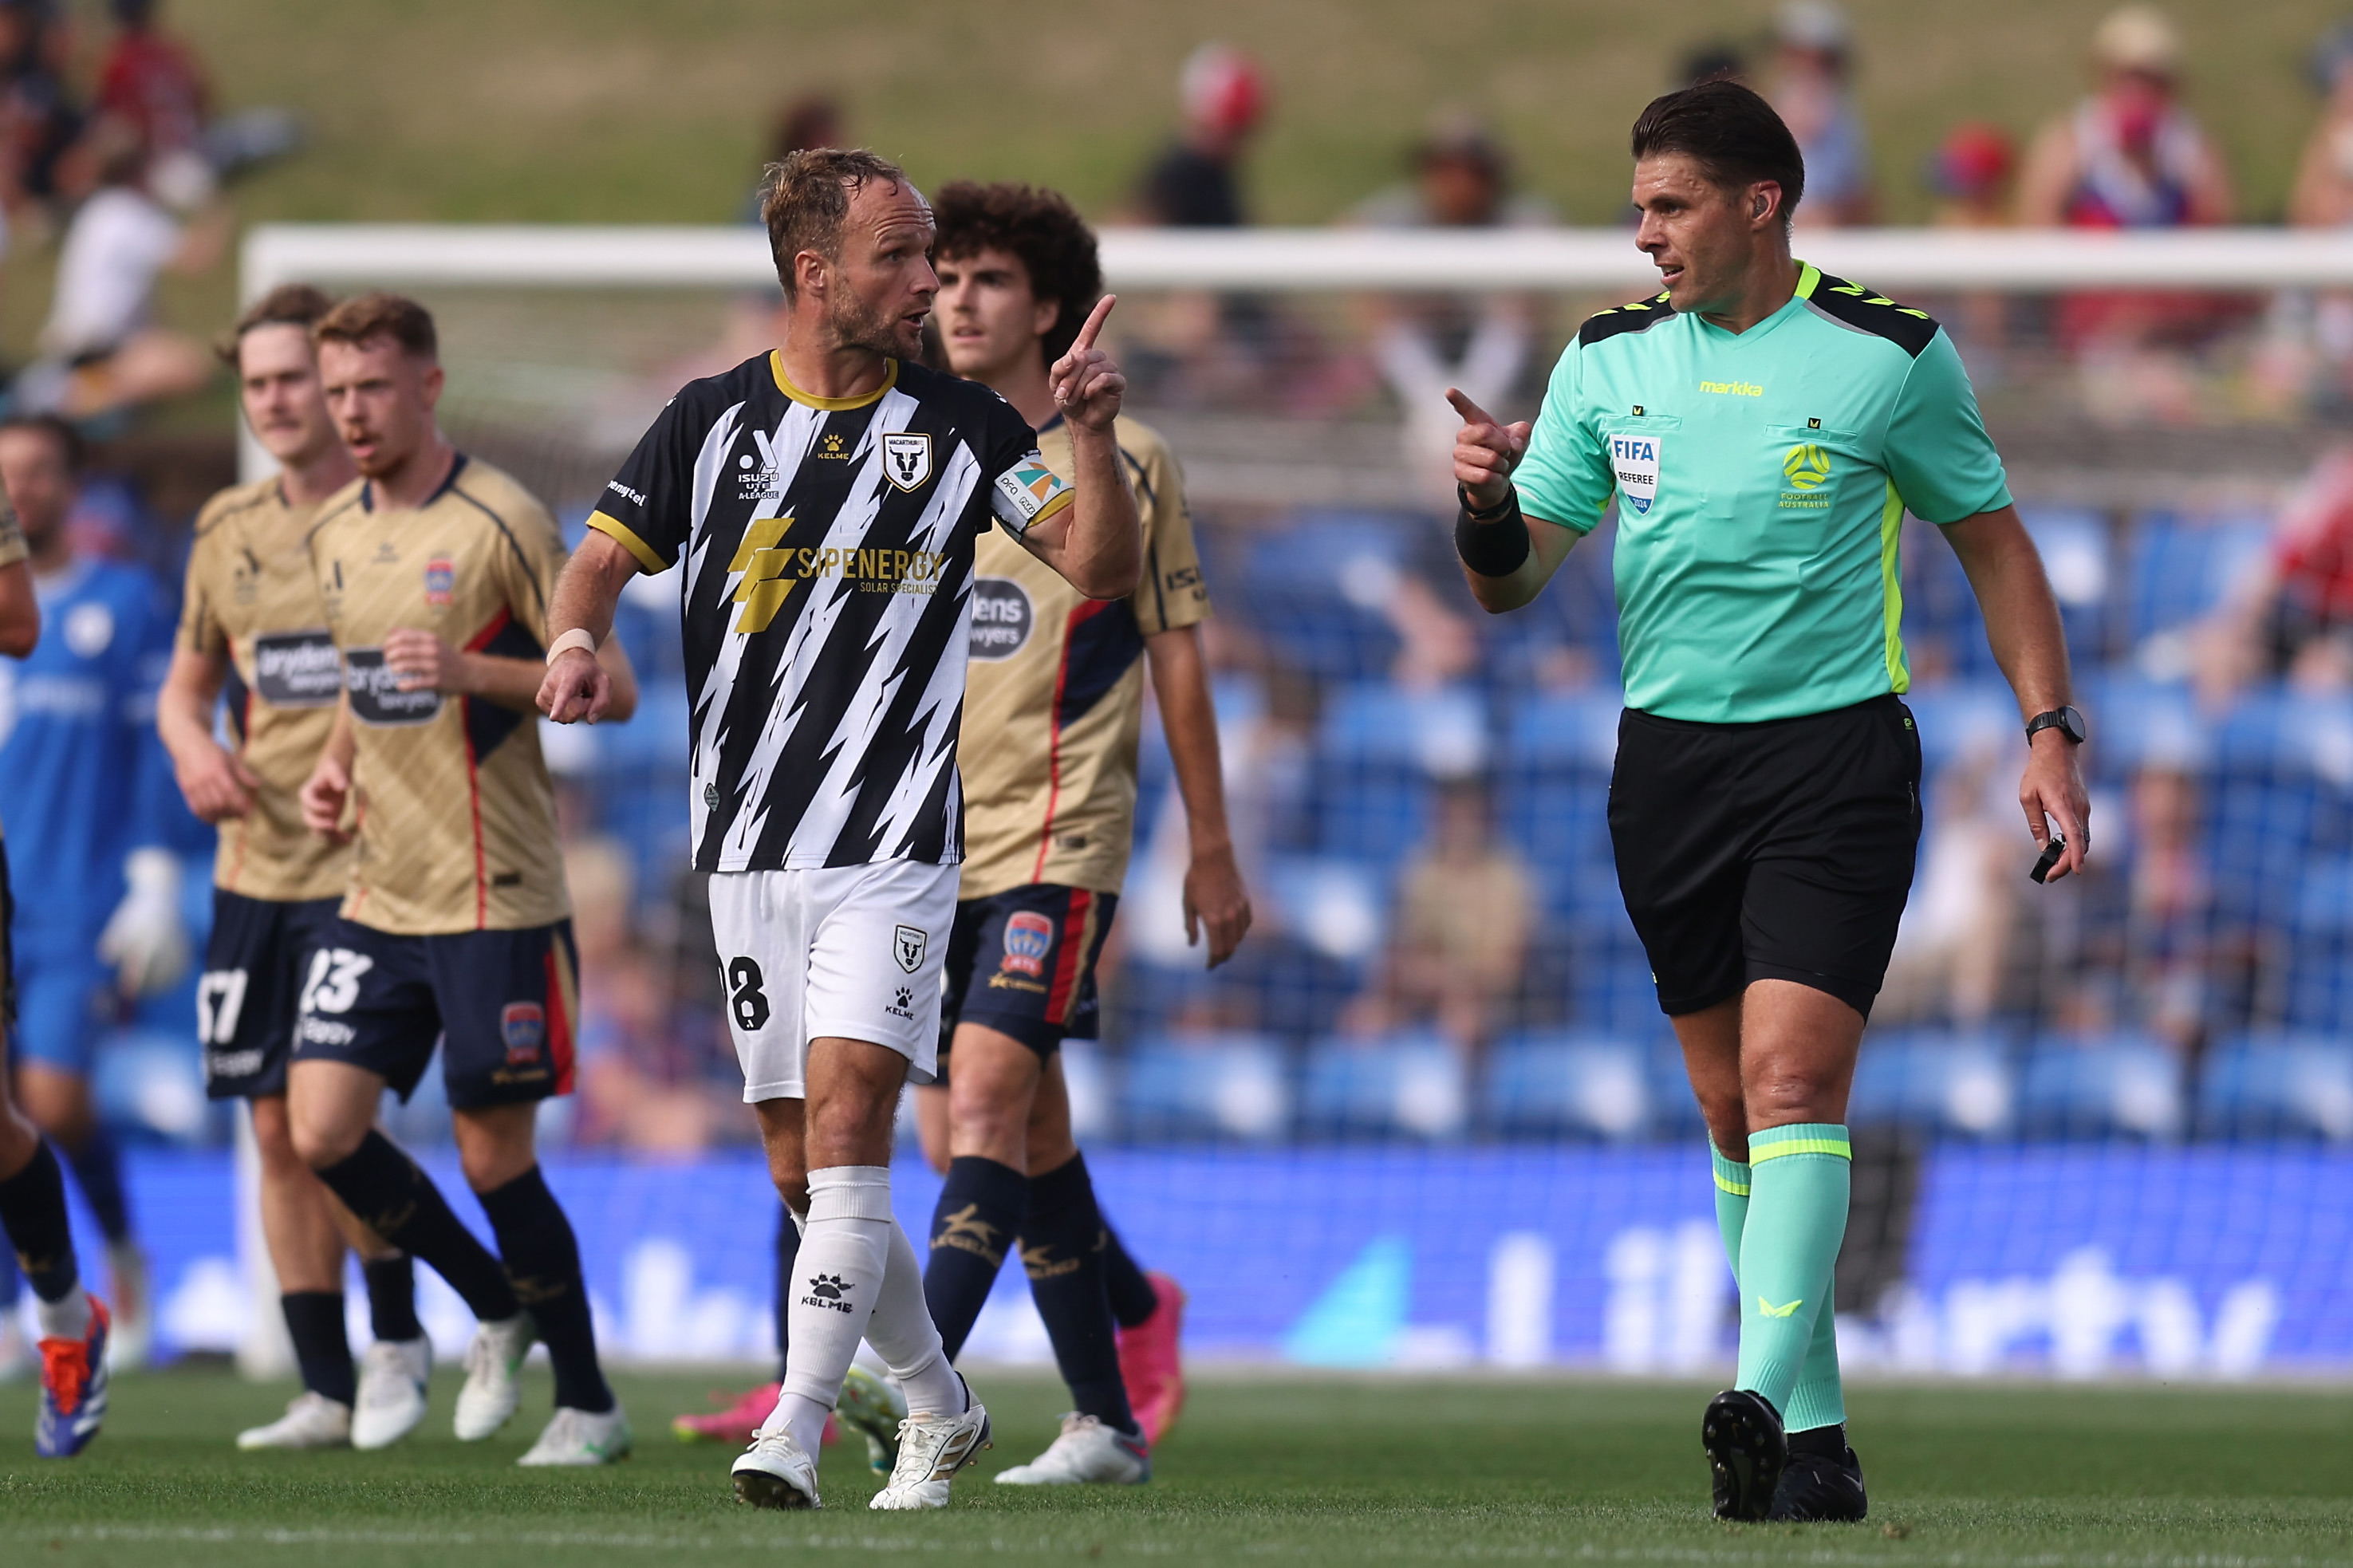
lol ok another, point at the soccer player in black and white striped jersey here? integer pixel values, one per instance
(824, 501)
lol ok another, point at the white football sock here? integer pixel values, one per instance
(904, 1335)
(845, 1253)
(66, 1318)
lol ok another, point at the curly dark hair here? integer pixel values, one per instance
(1039, 226)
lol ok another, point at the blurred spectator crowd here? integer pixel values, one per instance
(1419, 792)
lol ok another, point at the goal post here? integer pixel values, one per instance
(2158, 397)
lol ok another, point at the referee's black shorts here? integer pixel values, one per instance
(1775, 851)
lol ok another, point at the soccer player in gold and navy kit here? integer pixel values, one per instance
(1055, 705)
(252, 626)
(436, 571)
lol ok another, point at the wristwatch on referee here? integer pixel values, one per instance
(2066, 720)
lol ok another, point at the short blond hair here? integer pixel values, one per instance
(804, 195)
(380, 314)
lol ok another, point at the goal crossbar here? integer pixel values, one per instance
(1303, 259)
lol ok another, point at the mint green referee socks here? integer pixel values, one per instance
(1782, 1216)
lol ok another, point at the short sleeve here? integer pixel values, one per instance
(530, 569)
(1023, 491)
(1936, 450)
(1172, 594)
(1565, 477)
(200, 630)
(649, 506)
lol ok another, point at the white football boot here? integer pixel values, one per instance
(492, 1392)
(581, 1438)
(774, 1472)
(312, 1421)
(391, 1392)
(932, 1449)
(1087, 1451)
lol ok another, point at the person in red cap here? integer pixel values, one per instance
(1222, 96)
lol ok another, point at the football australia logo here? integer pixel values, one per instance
(1805, 469)
(1635, 460)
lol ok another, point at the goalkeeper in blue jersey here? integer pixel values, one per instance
(87, 795)
(1764, 427)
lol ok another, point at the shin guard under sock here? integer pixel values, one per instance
(393, 1196)
(392, 1297)
(98, 1170)
(974, 1224)
(788, 1248)
(32, 1213)
(315, 1321)
(845, 1252)
(1061, 1243)
(1800, 1180)
(542, 1263)
(1133, 1299)
(903, 1334)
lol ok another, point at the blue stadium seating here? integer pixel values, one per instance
(2278, 1086)
(2118, 1087)
(2144, 723)
(1220, 1088)
(2178, 571)
(2074, 541)
(1561, 1084)
(1945, 1085)
(1379, 748)
(1405, 1087)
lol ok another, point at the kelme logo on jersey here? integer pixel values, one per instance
(440, 578)
(1028, 937)
(1001, 617)
(1635, 459)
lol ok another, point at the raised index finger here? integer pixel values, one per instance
(1086, 338)
(1472, 412)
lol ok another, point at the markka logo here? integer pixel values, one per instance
(1635, 459)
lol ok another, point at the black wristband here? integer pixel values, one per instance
(1493, 545)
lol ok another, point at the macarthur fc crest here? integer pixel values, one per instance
(907, 457)
(907, 947)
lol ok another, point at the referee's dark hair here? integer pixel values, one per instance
(1733, 135)
(1039, 226)
(804, 195)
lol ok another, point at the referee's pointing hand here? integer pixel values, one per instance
(1486, 452)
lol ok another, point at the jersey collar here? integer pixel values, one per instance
(1808, 277)
(448, 482)
(829, 405)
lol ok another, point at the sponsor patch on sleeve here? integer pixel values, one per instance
(1027, 491)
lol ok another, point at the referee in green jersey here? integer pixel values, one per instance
(1765, 426)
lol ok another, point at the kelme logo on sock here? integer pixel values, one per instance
(1771, 1310)
(826, 1291)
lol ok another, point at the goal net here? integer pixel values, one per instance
(1431, 1115)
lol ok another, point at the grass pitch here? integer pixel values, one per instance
(1269, 1467)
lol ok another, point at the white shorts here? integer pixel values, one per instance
(850, 952)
